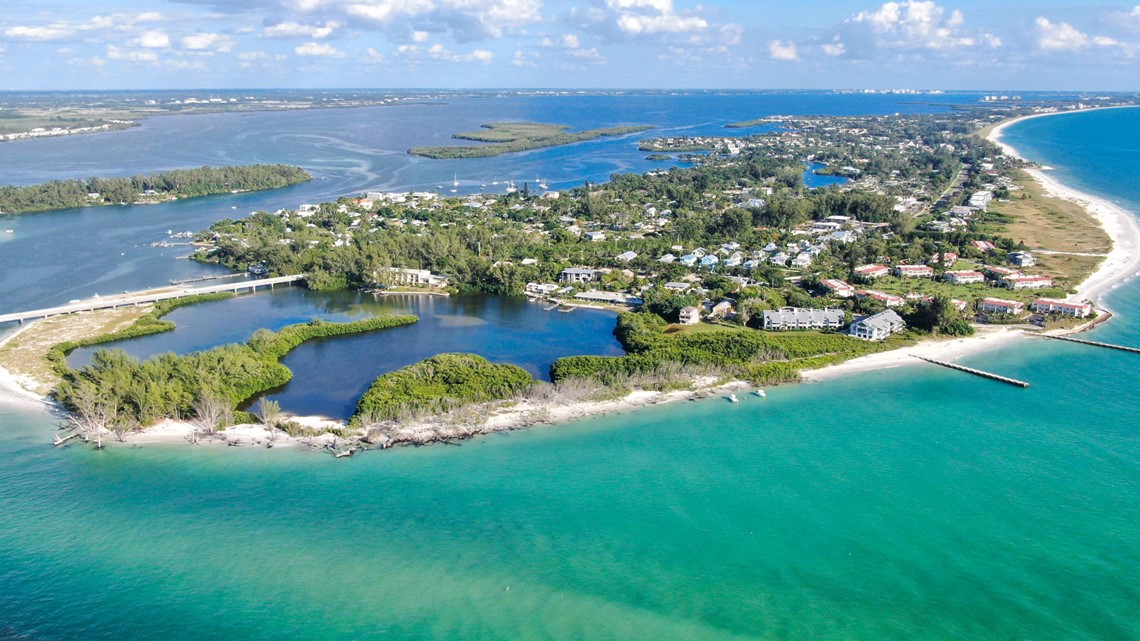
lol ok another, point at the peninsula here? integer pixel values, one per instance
(145, 189)
(509, 137)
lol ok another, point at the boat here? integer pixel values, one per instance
(9, 231)
(511, 187)
(455, 180)
(541, 184)
(761, 393)
(732, 398)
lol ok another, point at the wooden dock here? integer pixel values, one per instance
(1123, 348)
(138, 298)
(975, 372)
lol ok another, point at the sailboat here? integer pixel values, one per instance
(511, 187)
(455, 183)
(541, 183)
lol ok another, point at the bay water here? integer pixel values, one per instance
(915, 503)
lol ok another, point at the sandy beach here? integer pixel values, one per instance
(1122, 263)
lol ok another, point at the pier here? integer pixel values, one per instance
(1123, 348)
(975, 372)
(151, 296)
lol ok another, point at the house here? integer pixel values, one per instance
(980, 199)
(943, 258)
(878, 327)
(689, 260)
(625, 257)
(595, 236)
(802, 260)
(790, 318)
(959, 305)
(914, 271)
(1022, 259)
(890, 300)
(871, 272)
(983, 245)
(1063, 308)
(579, 275)
(722, 309)
(709, 261)
(1000, 306)
(837, 288)
(1000, 272)
(540, 289)
(1025, 281)
(690, 315)
(609, 298)
(412, 278)
(780, 259)
(964, 277)
(842, 237)
(677, 288)
(667, 258)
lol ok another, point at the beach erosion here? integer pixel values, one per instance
(1121, 264)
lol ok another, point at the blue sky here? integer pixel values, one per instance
(942, 44)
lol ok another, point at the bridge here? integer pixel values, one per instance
(150, 296)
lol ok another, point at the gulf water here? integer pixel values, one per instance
(914, 503)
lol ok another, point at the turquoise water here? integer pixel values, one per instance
(914, 503)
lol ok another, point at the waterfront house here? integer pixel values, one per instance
(1022, 259)
(1000, 306)
(540, 289)
(878, 327)
(964, 277)
(690, 315)
(837, 288)
(412, 278)
(1064, 308)
(914, 271)
(796, 318)
(1025, 281)
(572, 275)
(890, 300)
(871, 272)
(608, 298)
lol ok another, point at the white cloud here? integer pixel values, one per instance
(299, 30)
(202, 41)
(318, 50)
(153, 40)
(1062, 36)
(130, 55)
(784, 51)
(1127, 21)
(442, 53)
(375, 57)
(420, 36)
(524, 59)
(260, 60)
(637, 17)
(919, 24)
(39, 34)
(464, 20)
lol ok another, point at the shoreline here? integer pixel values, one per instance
(1120, 266)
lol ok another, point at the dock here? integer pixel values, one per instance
(151, 296)
(205, 278)
(1123, 348)
(975, 372)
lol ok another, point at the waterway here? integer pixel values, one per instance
(916, 503)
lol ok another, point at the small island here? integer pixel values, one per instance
(146, 189)
(509, 137)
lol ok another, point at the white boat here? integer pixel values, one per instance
(455, 180)
(761, 393)
(732, 398)
(9, 231)
(511, 187)
(542, 184)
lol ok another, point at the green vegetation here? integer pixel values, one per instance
(745, 124)
(761, 357)
(167, 185)
(508, 137)
(439, 384)
(119, 393)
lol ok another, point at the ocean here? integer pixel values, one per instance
(915, 503)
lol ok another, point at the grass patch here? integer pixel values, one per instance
(1055, 224)
(508, 137)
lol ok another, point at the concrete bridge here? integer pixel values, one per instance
(150, 296)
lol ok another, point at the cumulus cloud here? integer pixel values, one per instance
(202, 41)
(524, 59)
(919, 24)
(130, 55)
(1127, 21)
(39, 34)
(439, 52)
(783, 51)
(618, 19)
(569, 51)
(299, 30)
(152, 40)
(317, 50)
(1062, 36)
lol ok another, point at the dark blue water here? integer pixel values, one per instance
(814, 180)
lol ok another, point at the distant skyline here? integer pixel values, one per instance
(834, 44)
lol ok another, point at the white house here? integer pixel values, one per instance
(914, 271)
(838, 288)
(1025, 281)
(625, 257)
(789, 318)
(579, 275)
(1022, 259)
(1000, 306)
(878, 326)
(871, 272)
(964, 277)
(690, 315)
(1064, 308)
(595, 236)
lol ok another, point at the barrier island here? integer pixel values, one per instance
(146, 189)
(508, 137)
